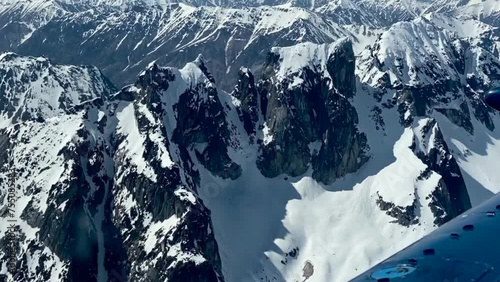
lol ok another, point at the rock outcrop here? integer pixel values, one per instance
(308, 118)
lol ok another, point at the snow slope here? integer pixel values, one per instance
(318, 222)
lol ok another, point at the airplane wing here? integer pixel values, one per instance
(465, 249)
(493, 99)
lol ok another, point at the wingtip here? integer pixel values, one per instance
(492, 99)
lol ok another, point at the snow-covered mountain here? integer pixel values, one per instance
(170, 175)
(229, 35)
(34, 88)
(487, 11)
(309, 141)
(170, 35)
(101, 193)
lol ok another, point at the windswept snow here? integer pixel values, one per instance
(134, 142)
(295, 58)
(158, 230)
(282, 215)
(268, 138)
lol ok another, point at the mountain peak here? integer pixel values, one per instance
(34, 88)
(7, 56)
(201, 63)
(293, 59)
(200, 60)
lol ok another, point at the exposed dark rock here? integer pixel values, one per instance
(312, 114)
(198, 121)
(246, 91)
(450, 198)
(341, 66)
(405, 216)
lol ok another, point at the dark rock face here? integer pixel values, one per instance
(194, 233)
(247, 92)
(418, 101)
(312, 122)
(344, 149)
(341, 66)
(200, 118)
(171, 194)
(290, 117)
(450, 198)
